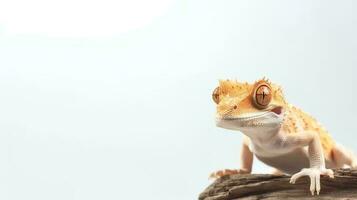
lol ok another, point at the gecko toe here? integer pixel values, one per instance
(318, 185)
(312, 184)
(330, 173)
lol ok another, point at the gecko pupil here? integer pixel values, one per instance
(263, 95)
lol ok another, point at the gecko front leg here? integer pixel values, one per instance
(316, 158)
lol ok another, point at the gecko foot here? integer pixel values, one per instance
(224, 172)
(314, 175)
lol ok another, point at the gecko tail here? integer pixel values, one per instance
(343, 157)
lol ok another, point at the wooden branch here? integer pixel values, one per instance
(266, 186)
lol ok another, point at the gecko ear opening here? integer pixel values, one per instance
(262, 95)
(277, 110)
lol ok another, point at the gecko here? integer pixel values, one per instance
(277, 133)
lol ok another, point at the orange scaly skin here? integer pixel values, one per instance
(276, 131)
(296, 117)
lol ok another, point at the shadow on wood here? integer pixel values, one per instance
(265, 186)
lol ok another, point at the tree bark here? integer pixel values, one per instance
(266, 186)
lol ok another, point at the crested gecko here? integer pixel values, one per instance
(277, 133)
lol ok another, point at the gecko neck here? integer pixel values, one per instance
(259, 135)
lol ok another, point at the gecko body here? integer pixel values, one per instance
(277, 133)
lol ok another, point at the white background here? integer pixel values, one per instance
(112, 99)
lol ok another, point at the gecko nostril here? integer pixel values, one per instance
(235, 107)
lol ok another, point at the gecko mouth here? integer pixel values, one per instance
(245, 117)
(268, 118)
(277, 111)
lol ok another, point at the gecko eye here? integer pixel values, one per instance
(215, 95)
(262, 96)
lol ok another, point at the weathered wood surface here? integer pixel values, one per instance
(266, 186)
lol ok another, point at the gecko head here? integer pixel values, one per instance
(249, 107)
